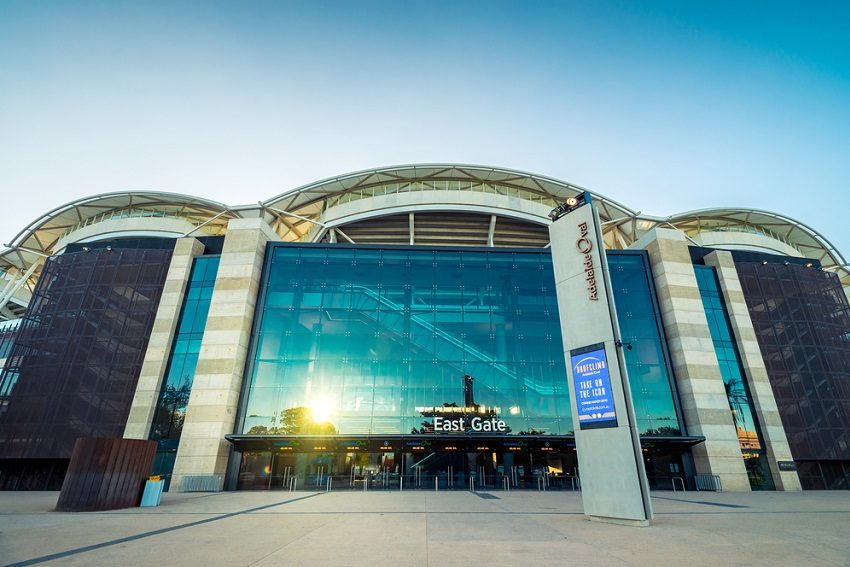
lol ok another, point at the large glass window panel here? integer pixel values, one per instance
(731, 371)
(381, 335)
(174, 396)
(646, 359)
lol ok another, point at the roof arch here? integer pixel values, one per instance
(39, 238)
(800, 236)
(300, 208)
(469, 196)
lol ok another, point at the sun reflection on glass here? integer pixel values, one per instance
(321, 410)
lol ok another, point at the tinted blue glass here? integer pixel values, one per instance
(365, 340)
(174, 397)
(731, 370)
(7, 338)
(646, 360)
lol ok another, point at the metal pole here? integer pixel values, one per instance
(436, 483)
(329, 484)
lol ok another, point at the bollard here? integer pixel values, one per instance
(329, 485)
(436, 484)
(472, 484)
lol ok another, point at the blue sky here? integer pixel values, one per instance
(664, 106)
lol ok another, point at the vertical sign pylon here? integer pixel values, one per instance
(613, 479)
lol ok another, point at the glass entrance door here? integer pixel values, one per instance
(416, 470)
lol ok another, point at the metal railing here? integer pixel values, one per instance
(448, 478)
(201, 483)
(708, 482)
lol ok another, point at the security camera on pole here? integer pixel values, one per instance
(613, 479)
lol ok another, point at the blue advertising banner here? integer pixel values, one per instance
(594, 397)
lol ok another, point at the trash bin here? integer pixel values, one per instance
(153, 491)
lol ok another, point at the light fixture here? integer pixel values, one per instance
(569, 205)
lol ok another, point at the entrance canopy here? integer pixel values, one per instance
(429, 443)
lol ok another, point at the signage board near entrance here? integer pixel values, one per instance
(614, 484)
(463, 424)
(594, 397)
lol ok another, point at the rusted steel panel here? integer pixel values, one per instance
(106, 474)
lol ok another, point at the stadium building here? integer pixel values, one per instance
(398, 328)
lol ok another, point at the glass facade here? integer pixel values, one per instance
(177, 385)
(646, 354)
(802, 322)
(732, 372)
(73, 368)
(364, 340)
(359, 340)
(8, 332)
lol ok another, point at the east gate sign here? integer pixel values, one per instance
(461, 424)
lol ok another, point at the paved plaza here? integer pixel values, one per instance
(426, 528)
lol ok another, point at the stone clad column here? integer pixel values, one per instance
(162, 335)
(212, 408)
(701, 391)
(755, 371)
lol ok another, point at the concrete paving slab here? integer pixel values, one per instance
(427, 529)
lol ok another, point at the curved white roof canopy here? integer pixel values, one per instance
(803, 238)
(40, 237)
(299, 214)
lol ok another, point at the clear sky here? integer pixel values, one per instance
(664, 106)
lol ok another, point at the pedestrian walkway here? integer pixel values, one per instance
(427, 528)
